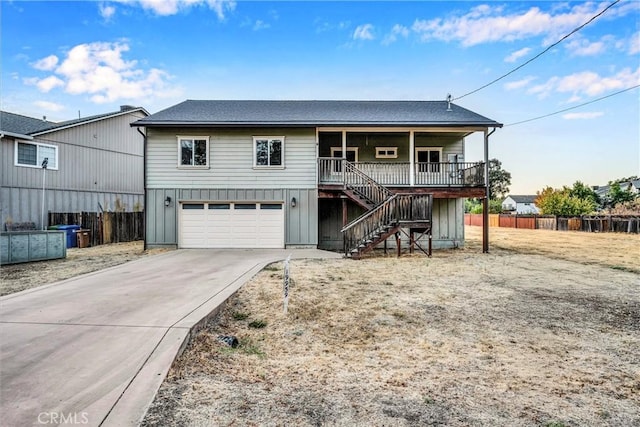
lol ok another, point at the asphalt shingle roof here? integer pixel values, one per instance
(16, 123)
(315, 113)
(23, 125)
(524, 199)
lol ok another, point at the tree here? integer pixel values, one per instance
(499, 180)
(561, 202)
(474, 206)
(617, 195)
(584, 192)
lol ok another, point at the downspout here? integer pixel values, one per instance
(144, 185)
(485, 205)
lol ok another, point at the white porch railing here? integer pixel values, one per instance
(467, 174)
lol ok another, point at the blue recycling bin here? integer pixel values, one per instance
(70, 231)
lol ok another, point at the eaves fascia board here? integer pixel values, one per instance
(166, 124)
(84, 122)
(15, 135)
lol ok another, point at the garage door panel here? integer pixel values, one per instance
(232, 225)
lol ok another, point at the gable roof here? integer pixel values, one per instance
(26, 127)
(201, 113)
(523, 199)
(18, 124)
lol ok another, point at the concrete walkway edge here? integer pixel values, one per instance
(137, 397)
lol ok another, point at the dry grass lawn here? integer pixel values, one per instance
(544, 334)
(18, 277)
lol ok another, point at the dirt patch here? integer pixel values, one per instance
(460, 339)
(18, 277)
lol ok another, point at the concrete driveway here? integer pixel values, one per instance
(93, 350)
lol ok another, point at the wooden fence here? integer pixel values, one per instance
(107, 227)
(591, 223)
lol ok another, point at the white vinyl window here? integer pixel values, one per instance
(386, 152)
(193, 152)
(268, 152)
(33, 155)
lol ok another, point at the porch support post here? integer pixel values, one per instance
(485, 202)
(412, 154)
(344, 144)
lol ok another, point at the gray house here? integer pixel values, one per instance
(520, 204)
(327, 174)
(93, 163)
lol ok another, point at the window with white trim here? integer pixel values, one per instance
(193, 152)
(268, 152)
(386, 152)
(428, 159)
(32, 154)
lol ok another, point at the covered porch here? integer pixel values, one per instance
(365, 167)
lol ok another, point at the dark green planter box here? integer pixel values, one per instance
(36, 245)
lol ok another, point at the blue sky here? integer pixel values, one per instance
(59, 58)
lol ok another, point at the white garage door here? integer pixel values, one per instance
(231, 225)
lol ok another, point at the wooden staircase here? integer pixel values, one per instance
(387, 213)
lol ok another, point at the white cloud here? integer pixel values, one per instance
(583, 47)
(172, 7)
(106, 11)
(324, 26)
(45, 85)
(514, 56)
(397, 30)
(260, 25)
(100, 71)
(363, 32)
(487, 23)
(46, 64)
(587, 83)
(634, 44)
(585, 115)
(49, 106)
(518, 84)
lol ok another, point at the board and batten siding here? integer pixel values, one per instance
(301, 221)
(25, 204)
(231, 160)
(447, 232)
(103, 156)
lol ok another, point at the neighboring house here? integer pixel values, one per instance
(93, 163)
(603, 190)
(273, 174)
(520, 204)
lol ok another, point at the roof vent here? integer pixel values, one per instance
(449, 102)
(126, 108)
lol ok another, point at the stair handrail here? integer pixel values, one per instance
(369, 213)
(391, 213)
(367, 225)
(378, 194)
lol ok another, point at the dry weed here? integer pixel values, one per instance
(458, 339)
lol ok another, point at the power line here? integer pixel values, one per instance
(575, 30)
(575, 106)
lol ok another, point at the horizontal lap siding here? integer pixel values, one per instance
(231, 160)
